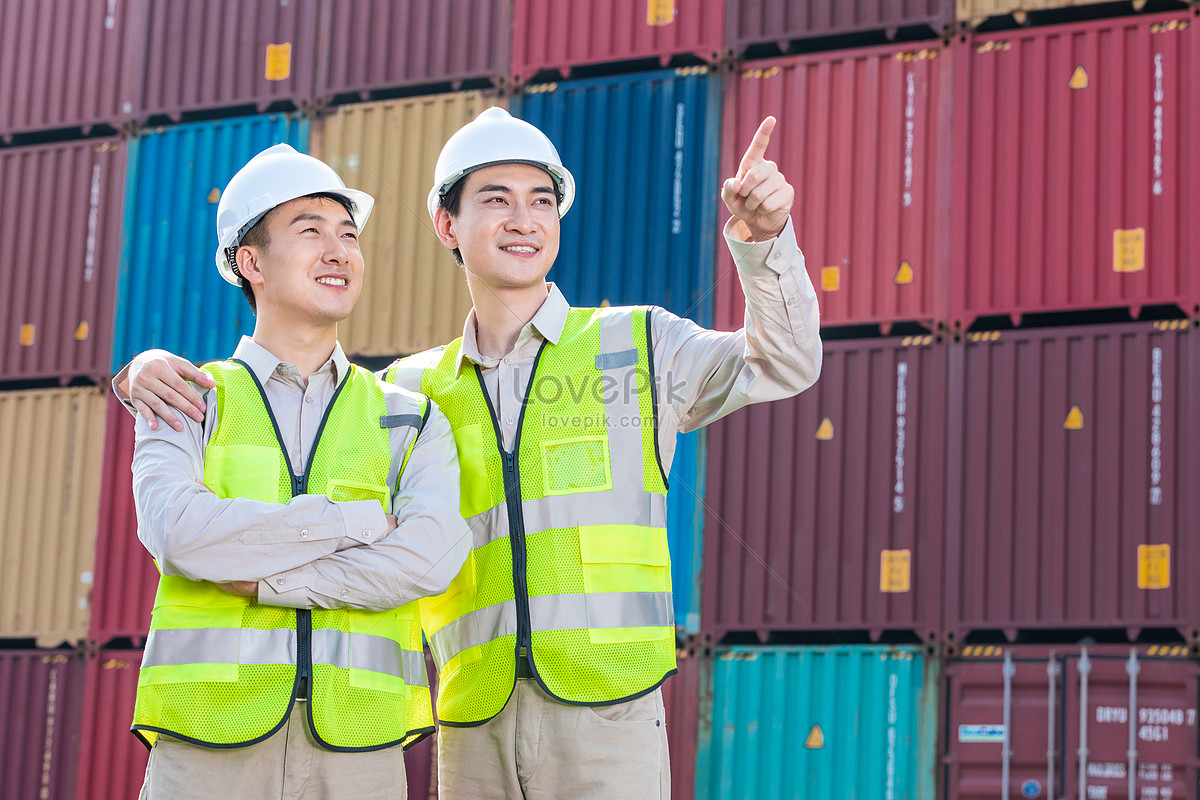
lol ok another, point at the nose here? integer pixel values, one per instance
(337, 251)
(521, 220)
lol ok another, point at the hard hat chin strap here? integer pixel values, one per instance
(231, 254)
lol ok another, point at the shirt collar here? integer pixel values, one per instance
(264, 364)
(548, 323)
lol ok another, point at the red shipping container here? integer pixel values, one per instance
(222, 53)
(825, 510)
(681, 697)
(1098, 721)
(1067, 507)
(68, 64)
(112, 761)
(41, 693)
(553, 35)
(763, 21)
(379, 44)
(861, 136)
(1075, 168)
(125, 577)
(60, 281)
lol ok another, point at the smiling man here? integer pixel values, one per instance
(295, 525)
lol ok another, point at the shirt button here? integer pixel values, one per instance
(509, 421)
(308, 400)
(345, 592)
(507, 360)
(304, 534)
(366, 534)
(791, 301)
(281, 581)
(775, 256)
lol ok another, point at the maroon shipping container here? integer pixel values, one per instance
(777, 21)
(221, 53)
(41, 694)
(1075, 167)
(56, 312)
(553, 35)
(861, 136)
(377, 44)
(825, 510)
(1097, 721)
(125, 576)
(112, 761)
(67, 64)
(681, 696)
(1069, 499)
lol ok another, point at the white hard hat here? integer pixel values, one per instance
(495, 137)
(273, 177)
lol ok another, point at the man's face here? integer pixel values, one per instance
(507, 225)
(312, 271)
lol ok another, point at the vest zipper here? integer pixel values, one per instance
(303, 651)
(516, 532)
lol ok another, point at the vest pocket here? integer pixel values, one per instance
(174, 656)
(243, 470)
(579, 464)
(350, 491)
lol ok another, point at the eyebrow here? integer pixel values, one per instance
(498, 187)
(309, 216)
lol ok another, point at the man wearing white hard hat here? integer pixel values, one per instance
(553, 641)
(295, 525)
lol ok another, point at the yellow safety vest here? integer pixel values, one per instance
(569, 558)
(222, 670)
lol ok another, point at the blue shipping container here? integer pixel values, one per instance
(170, 294)
(685, 519)
(643, 149)
(851, 721)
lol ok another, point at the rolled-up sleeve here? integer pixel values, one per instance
(417, 559)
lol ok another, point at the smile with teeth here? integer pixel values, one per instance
(519, 248)
(333, 281)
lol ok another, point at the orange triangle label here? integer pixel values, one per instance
(81, 331)
(1074, 419)
(904, 275)
(825, 430)
(816, 739)
(1079, 78)
(214, 196)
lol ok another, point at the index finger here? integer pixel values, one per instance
(758, 146)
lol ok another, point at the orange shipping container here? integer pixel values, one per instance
(49, 497)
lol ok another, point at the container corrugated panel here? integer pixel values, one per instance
(57, 311)
(68, 64)
(380, 44)
(1069, 491)
(681, 698)
(643, 150)
(41, 697)
(1074, 165)
(224, 53)
(972, 12)
(420, 760)
(551, 35)
(861, 137)
(1130, 712)
(849, 721)
(49, 495)
(825, 511)
(170, 294)
(417, 297)
(125, 576)
(778, 21)
(112, 762)
(685, 528)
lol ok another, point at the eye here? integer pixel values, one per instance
(350, 235)
(310, 230)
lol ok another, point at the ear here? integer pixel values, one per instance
(248, 264)
(443, 226)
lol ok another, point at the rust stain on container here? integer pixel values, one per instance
(1045, 518)
(49, 494)
(112, 762)
(861, 136)
(844, 533)
(552, 35)
(417, 298)
(778, 21)
(41, 694)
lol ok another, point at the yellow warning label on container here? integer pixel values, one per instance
(825, 430)
(81, 331)
(1074, 421)
(214, 196)
(1129, 250)
(660, 12)
(1154, 566)
(831, 278)
(816, 739)
(27, 335)
(904, 275)
(279, 61)
(1079, 78)
(895, 570)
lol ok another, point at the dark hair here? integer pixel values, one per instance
(259, 236)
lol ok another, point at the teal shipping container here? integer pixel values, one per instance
(643, 149)
(851, 722)
(685, 520)
(169, 293)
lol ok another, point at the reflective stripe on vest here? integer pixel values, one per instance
(587, 539)
(219, 669)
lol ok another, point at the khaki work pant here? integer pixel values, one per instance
(287, 766)
(540, 749)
